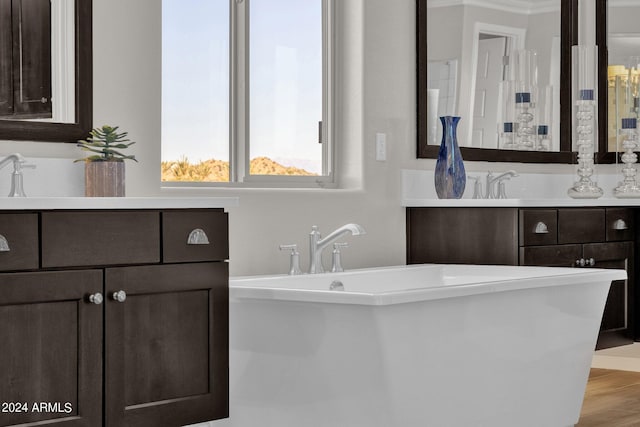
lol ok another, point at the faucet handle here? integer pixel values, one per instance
(477, 186)
(294, 262)
(336, 265)
(28, 166)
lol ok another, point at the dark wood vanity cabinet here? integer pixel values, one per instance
(562, 237)
(105, 329)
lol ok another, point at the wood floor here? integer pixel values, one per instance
(612, 399)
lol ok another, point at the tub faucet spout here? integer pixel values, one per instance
(317, 243)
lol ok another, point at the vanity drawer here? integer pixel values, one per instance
(18, 241)
(538, 227)
(620, 224)
(581, 225)
(551, 256)
(195, 236)
(94, 238)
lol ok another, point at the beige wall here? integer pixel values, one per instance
(376, 82)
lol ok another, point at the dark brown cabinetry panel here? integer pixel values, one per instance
(538, 227)
(25, 59)
(581, 225)
(100, 238)
(20, 234)
(167, 345)
(6, 60)
(51, 338)
(177, 226)
(568, 237)
(462, 236)
(551, 256)
(165, 362)
(620, 224)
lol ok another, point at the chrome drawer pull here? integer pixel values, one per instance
(197, 237)
(541, 228)
(620, 224)
(4, 244)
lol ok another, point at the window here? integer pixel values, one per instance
(246, 91)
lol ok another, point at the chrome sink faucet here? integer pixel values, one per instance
(317, 243)
(19, 162)
(492, 180)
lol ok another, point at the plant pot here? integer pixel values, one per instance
(104, 179)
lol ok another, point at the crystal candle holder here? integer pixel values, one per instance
(584, 73)
(628, 188)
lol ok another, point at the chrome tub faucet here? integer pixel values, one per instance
(317, 243)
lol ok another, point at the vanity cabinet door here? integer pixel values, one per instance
(462, 236)
(51, 349)
(616, 328)
(166, 344)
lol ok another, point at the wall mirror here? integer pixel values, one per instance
(466, 49)
(45, 70)
(618, 38)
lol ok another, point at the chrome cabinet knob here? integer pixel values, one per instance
(580, 262)
(119, 296)
(96, 298)
(591, 262)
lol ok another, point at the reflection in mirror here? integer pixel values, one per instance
(623, 45)
(37, 58)
(45, 69)
(451, 37)
(468, 51)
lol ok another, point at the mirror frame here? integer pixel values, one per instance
(568, 37)
(20, 130)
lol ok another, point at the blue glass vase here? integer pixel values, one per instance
(450, 177)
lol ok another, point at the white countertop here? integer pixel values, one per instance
(526, 190)
(549, 203)
(53, 203)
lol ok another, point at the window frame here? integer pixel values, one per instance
(239, 107)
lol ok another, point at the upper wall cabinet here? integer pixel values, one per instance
(468, 51)
(45, 70)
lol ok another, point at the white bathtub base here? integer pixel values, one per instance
(515, 358)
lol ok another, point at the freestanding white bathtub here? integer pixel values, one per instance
(415, 346)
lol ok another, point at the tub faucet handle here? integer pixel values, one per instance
(294, 261)
(336, 265)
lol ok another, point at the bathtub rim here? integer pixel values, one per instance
(243, 287)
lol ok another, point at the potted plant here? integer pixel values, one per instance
(104, 171)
